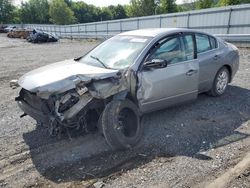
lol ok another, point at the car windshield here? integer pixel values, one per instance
(118, 52)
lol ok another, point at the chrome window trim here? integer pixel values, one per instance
(182, 62)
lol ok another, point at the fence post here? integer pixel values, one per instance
(120, 26)
(229, 20)
(65, 32)
(78, 29)
(138, 23)
(95, 31)
(71, 34)
(188, 20)
(160, 21)
(107, 28)
(85, 30)
(60, 33)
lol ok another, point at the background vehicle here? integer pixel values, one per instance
(19, 33)
(9, 28)
(2, 27)
(37, 36)
(125, 77)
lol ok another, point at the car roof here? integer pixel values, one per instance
(153, 32)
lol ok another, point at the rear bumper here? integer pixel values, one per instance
(34, 113)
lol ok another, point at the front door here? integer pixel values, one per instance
(177, 82)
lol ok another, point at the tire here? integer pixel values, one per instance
(223, 77)
(121, 124)
(99, 125)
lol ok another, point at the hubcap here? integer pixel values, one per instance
(222, 82)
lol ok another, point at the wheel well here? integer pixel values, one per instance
(122, 95)
(230, 71)
(130, 97)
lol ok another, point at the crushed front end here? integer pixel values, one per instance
(68, 94)
(79, 107)
(74, 108)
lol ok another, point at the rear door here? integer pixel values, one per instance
(209, 56)
(178, 82)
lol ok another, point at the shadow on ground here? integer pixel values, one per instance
(184, 130)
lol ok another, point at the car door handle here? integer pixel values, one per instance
(216, 57)
(191, 72)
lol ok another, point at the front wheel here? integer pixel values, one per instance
(220, 82)
(121, 124)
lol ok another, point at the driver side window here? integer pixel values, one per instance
(170, 50)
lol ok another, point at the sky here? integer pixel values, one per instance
(100, 3)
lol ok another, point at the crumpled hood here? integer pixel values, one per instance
(63, 74)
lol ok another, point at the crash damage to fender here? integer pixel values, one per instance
(69, 94)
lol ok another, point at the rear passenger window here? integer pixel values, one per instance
(189, 47)
(202, 42)
(213, 42)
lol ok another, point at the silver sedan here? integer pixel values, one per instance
(126, 76)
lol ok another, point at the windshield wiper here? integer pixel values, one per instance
(78, 58)
(96, 58)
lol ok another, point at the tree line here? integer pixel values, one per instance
(69, 12)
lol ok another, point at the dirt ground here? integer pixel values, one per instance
(184, 146)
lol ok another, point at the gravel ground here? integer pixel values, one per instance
(184, 146)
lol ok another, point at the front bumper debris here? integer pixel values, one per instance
(34, 113)
(14, 84)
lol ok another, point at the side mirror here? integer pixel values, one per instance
(155, 63)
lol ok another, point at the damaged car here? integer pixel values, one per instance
(19, 33)
(128, 75)
(37, 36)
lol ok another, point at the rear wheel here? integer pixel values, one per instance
(220, 82)
(121, 124)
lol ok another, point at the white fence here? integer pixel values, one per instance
(224, 20)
